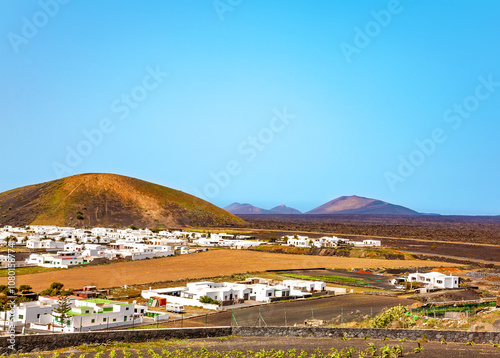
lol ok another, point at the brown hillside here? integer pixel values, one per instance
(108, 200)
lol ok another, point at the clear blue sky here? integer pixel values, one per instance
(181, 87)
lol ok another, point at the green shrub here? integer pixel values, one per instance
(396, 313)
(208, 299)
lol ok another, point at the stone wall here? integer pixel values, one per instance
(376, 333)
(44, 342)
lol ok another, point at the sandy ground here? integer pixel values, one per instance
(201, 265)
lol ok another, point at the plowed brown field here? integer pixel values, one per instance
(206, 264)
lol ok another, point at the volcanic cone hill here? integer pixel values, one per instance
(88, 200)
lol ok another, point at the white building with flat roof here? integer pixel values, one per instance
(435, 280)
(94, 314)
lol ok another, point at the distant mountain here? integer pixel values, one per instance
(283, 209)
(248, 209)
(88, 200)
(240, 209)
(359, 205)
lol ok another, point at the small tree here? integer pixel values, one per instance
(63, 306)
(54, 289)
(25, 288)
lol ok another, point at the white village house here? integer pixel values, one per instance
(229, 293)
(29, 312)
(86, 315)
(435, 280)
(63, 259)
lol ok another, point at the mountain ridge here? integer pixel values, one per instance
(352, 204)
(248, 209)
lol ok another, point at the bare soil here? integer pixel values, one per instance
(197, 266)
(333, 310)
(469, 229)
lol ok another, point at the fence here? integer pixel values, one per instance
(316, 313)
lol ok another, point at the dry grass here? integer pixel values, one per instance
(207, 264)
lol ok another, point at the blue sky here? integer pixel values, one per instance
(282, 102)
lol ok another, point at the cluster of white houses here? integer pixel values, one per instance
(98, 313)
(63, 247)
(84, 315)
(327, 241)
(230, 293)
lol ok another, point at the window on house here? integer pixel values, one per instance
(21, 316)
(126, 309)
(104, 319)
(114, 319)
(92, 320)
(38, 315)
(124, 318)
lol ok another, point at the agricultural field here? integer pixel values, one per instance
(335, 310)
(197, 266)
(247, 347)
(360, 279)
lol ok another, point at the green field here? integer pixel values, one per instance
(333, 279)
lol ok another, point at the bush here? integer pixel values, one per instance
(25, 288)
(55, 289)
(390, 315)
(208, 299)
